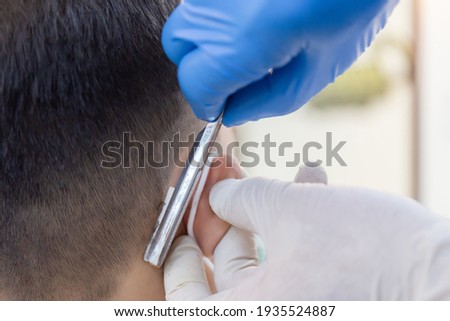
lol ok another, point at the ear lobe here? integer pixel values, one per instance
(208, 228)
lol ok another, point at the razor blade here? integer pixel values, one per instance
(177, 199)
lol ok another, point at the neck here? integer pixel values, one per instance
(142, 282)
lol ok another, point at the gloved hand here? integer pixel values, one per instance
(322, 243)
(235, 257)
(224, 50)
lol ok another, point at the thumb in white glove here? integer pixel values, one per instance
(330, 243)
(333, 243)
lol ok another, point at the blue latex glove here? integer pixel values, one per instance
(225, 48)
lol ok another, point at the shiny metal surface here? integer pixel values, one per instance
(177, 200)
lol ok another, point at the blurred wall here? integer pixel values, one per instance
(434, 85)
(379, 144)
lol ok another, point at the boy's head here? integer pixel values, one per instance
(76, 74)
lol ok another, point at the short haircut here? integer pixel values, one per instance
(75, 74)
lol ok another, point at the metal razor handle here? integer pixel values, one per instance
(177, 199)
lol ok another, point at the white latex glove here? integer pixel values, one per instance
(322, 243)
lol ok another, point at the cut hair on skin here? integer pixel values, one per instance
(74, 75)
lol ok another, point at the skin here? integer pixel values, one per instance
(145, 282)
(208, 227)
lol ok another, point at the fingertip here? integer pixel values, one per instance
(234, 257)
(183, 240)
(184, 277)
(173, 43)
(250, 103)
(206, 113)
(232, 200)
(183, 244)
(171, 46)
(311, 174)
(219, 195)
(230, 120)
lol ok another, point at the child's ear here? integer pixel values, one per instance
(208, 228)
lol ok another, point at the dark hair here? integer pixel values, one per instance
(75, 74)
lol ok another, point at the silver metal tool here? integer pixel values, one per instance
(177, 199)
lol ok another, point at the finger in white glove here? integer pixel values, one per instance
(184, 277)
(312, 175)
(235, 258)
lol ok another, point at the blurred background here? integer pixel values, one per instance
(392, 108)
